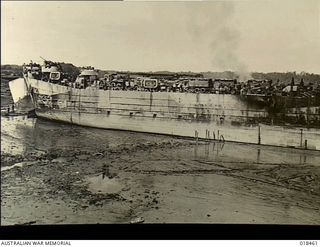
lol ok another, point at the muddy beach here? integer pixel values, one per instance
(55, 173)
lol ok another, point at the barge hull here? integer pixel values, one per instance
(207, 116)
(259, 134)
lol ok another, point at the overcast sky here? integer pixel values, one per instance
(177, 36)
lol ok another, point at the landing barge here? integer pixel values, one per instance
(136, 105)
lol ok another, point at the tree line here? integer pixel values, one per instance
(284, 77)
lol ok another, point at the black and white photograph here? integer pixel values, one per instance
(152, 112)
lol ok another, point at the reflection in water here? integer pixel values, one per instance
(206, 151)
(98, 185)
(196, 151)
(243, 153)
(16, 134)
(303, 159)
(258, 155)
(22, 135)
(106, 172)
(210, 149)
(221, 146)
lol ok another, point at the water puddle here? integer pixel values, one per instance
(16, 134)
(104, 185)
(20, 164)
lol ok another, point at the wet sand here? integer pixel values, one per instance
(54, 173)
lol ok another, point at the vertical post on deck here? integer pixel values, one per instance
(301, 134)
(207, 135)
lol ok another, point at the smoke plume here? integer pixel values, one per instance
(211, 25)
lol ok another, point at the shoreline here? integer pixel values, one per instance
(117, 177)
